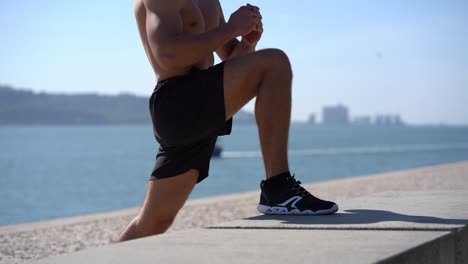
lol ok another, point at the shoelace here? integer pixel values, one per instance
(296, 186)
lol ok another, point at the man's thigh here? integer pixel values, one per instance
(165, 197)
(243, 76)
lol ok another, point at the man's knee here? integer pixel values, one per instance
(278, 60)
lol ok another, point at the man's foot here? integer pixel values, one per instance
(284, 194)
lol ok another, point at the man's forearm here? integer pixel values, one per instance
(189, 49)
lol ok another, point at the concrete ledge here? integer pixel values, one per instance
(429, 210)
(392, 227)
(257, 246)
(439, 250)
(397, 211)
(450, 248)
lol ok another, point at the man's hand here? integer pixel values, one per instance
(245, 20)
(255, 35)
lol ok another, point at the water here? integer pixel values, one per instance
(59, 171)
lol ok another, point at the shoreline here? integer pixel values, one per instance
(45, 238)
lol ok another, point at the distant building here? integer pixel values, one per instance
(362, 121)
(339, 115)
(397, 120)
(335, 115)
(311, 119)
(388, 120)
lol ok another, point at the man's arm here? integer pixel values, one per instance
(173, 49)
(232, 48)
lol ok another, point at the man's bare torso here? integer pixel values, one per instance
(196, 16)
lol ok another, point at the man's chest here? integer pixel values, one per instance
(199, 16)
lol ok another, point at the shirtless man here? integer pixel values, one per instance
(194, 102)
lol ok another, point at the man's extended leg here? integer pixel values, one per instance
(163, 201)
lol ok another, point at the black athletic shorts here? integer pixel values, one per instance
(188, 115)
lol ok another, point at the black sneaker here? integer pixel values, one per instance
(285, 195)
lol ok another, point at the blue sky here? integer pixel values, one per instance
(406, 57)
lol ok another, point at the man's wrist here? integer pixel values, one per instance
(229, 30)
(247, 45)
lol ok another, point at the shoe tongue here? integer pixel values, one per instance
(279, 182)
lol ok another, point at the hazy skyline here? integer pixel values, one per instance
(374, 57)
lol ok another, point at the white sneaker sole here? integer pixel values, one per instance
(278, 210)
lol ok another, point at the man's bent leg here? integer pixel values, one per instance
(164, 199)
(267, 75)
